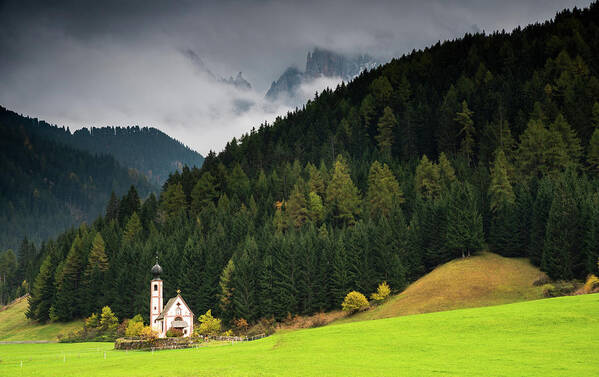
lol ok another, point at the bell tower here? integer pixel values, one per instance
(156, 299)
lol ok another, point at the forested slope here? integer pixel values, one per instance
(488, 139)
(146, 149)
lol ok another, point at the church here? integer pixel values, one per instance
(175, 314)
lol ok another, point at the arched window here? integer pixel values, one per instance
(155, 287)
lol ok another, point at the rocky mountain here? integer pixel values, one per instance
(319, 63)
(238, 81)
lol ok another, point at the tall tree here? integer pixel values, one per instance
(466, 125)
(383, 190)
(385, 126)
(342, 197)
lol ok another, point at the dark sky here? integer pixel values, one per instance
(92, 63)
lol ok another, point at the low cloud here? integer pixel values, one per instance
(155, 63)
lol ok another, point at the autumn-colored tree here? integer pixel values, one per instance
(355, 301)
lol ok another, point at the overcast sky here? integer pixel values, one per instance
(119, 63)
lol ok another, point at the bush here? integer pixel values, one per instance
(355, 301)
(241, 325)
(134, 328)
(174, 333)
(382, 292)
(542, 281)
(591, 284)
(264, 326)
(147, 333)
(557, 289)
(208, 324)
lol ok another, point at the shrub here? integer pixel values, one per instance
(560, 288)
(147, 333)
(174, 333)
(241, 325)
(134, 328)
(355, 301)
(209, 325)
(542, 281)
(264, 326)
(92, 321)
(591, 284)
(382, 292)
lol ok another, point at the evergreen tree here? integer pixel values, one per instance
(172, 201)
(385, 126)
(94, 277)
(446, 172)
(342, 197)
(572, 146)
(43, 294)
(593, 152)
(69, 300)
(112, 209)
(464, 221)
(540, 213)
(500, 192)
(204, 192)
(466, 125)
(133, 229)
(238, 183)
(129, 203)
(427, 179)
(316, 208)
(383, 190)
(297, 207)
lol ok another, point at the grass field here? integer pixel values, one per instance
(15, 326)
(550, 337)
(481, 280)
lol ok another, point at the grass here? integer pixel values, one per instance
(15, 326)
(550, 337)
(481, 280)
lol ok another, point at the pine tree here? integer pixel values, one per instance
(316, 180)
(540, 213)
(563, 236)
(342, 197)
(43, 294)
(383, 190)
(243, 283)
(446, 172)
(540, 151)
(68, 304)
(385, 126)
(112, 209)
(572, 146)
(297, 207)
(238, 183)
(464, 221)
(593, 152)
(316, 208)
(94, 277)
(172, 201)
(204, 192)
(500, 192)
(133, 229)
(466, 125)
(427, 179)
(129, 204)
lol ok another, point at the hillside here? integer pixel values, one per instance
(47, 187)
(481, 280)
(145, 149)
(15, 326)
(552, 337)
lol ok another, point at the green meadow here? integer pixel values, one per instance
(550, 337)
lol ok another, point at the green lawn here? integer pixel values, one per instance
(552, 337)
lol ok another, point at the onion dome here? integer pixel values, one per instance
(156, 270)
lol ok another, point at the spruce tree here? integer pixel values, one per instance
(446, 172)
(342, 197)
(427, 179)
(204, 192)
(593, 152)
(466, 125)
(464, 221)
(112, 209)
(383, 190)
(69, 300)
(385, 126)
(297, 207)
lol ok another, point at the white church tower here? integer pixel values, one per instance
(156, 299)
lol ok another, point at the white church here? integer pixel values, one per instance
(175, 314)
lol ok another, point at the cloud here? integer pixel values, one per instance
(156, 63)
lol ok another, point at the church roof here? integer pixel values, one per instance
(170, 303)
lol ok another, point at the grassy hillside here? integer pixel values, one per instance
(552, 337)
(15, 326)
(481, 280)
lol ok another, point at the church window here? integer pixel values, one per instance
(155, 287)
